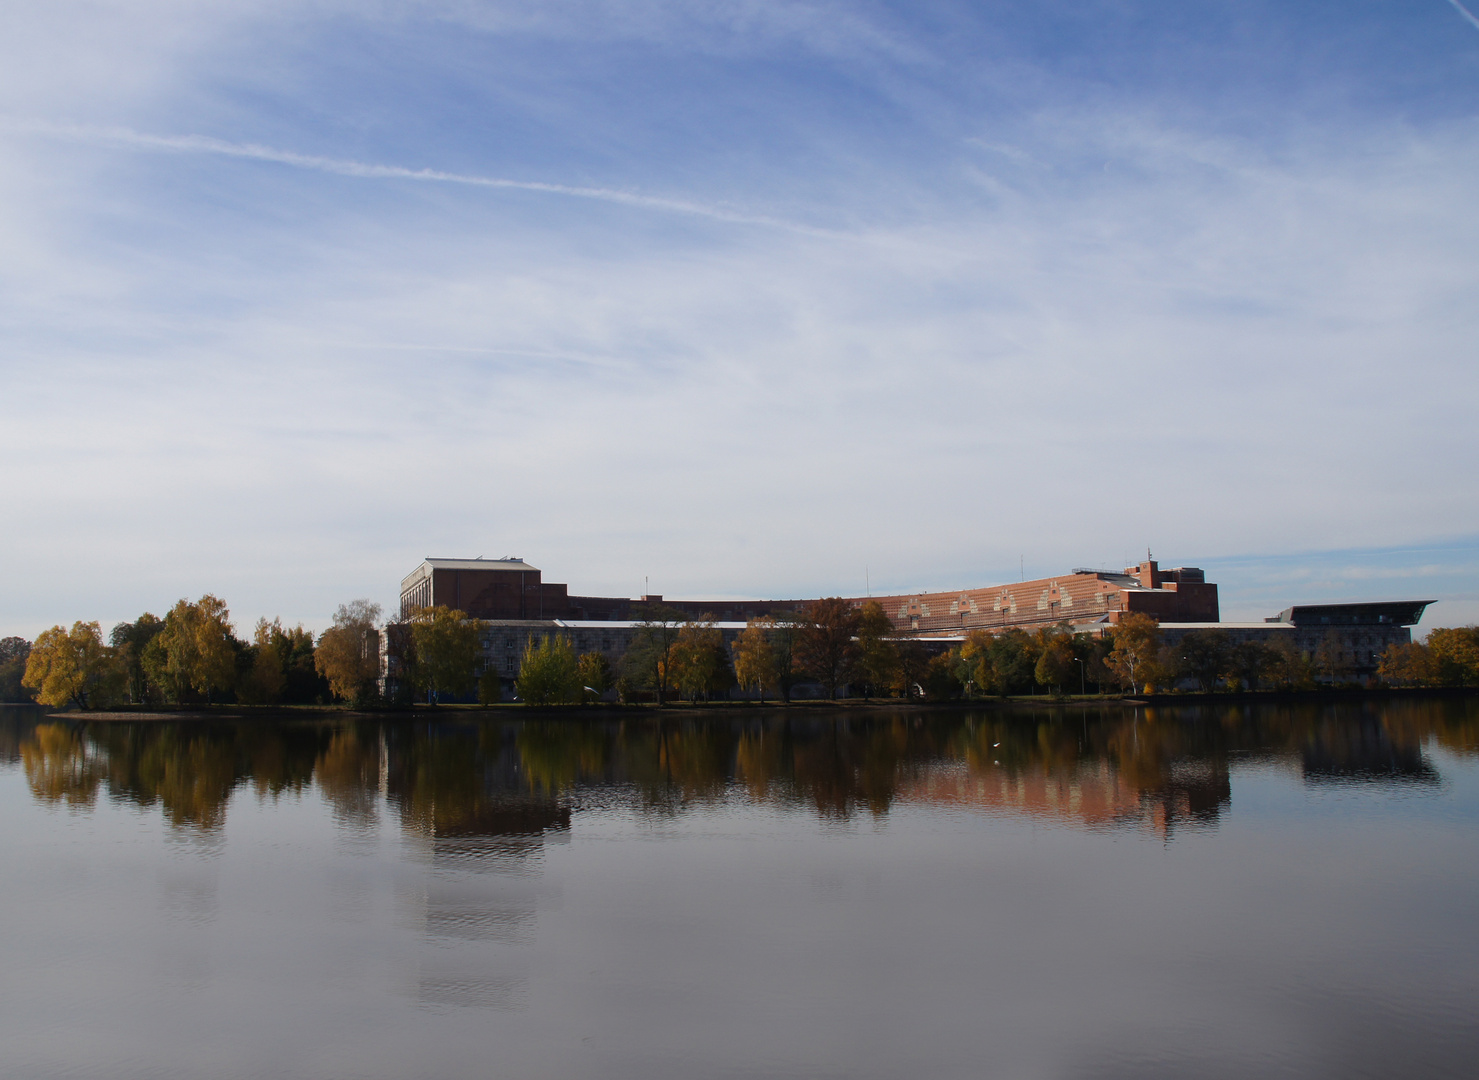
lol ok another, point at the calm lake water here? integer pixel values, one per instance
(1239, 892)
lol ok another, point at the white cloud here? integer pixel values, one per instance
(247, 370)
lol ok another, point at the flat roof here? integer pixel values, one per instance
(1227, 626)
(469, 564)
(477, 564)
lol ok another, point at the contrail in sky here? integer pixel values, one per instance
(1466, 13)
(205, 144)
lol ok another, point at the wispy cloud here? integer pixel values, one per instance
(1466, 13)
(206, 144)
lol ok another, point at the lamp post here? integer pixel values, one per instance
(1082, 691)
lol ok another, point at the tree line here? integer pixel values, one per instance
(193, 656)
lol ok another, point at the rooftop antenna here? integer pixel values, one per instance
(1148, 555)
(867, 581)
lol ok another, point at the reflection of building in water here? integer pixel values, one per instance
(1362, 749)
(1094, 794)
(466, 807)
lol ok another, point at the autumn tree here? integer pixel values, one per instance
(13, 654)
(348, 653)
(1287, 667)
(593, 671)
(74, 667)
(1137, 644)
(1408, 664)
(264, 681)
(878, 653)
(447, 644)
(826, 645)
(1055, 662)
(1455, 651)
(975, 660)
(1332, 659)
(549, 673)
(700, 660)
(754, 656)
(193, 651)
(649, 658)
(785, 641)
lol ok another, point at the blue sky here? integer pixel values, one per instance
(742, 298)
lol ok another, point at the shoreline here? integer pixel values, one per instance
(509, 710)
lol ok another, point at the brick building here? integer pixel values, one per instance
(515, 603)
(512, 589)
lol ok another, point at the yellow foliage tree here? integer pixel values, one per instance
(1410, 664)
(348, 653)
(1135, 656)
(754, 656)
(1456, 652)
(193, 651)
(74, 667)
(263, 685)
(446, 642)
(549, 673)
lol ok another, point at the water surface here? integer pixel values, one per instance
(1114, 892)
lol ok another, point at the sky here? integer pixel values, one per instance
(735, 298)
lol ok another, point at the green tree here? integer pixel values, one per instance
(447, 645)
(13, 654)
(826, 643)
(75, 667)
(348, 653)
(549, 674)
(490, 685)
(878, 653)
(1250, 666)
(129, 640)
(648, 662)
(1206, 656)
(942, 676)
(1013, 661)
(754, 656)
(1287, 666)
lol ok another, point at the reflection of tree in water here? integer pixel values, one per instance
(191, 769)
(60, 766)
(465, 781)
(1360, 748)
(500, 786)
(347, 772)
(1094, 767)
